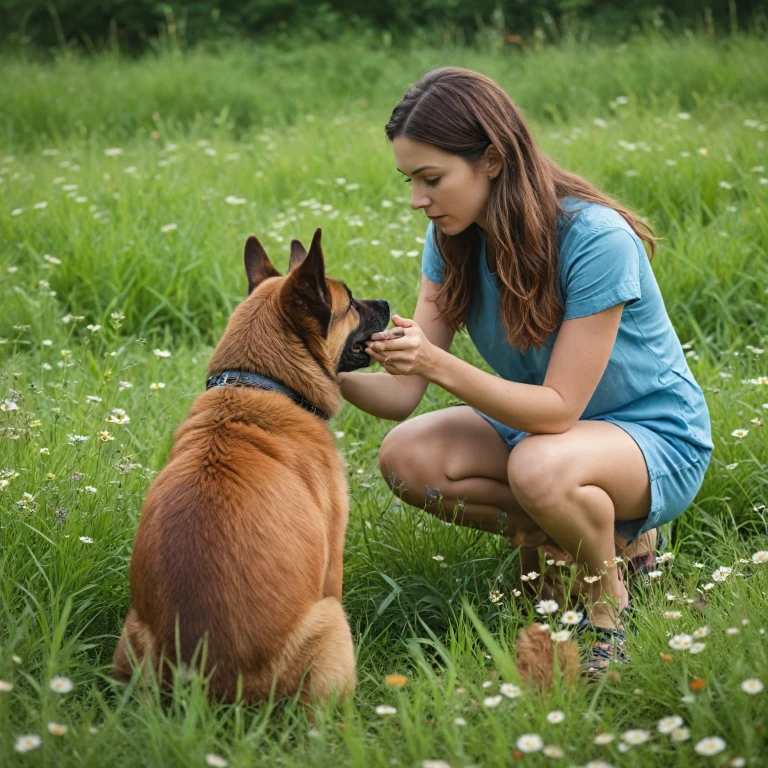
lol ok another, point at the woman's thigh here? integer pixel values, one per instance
(454, 443)
(596, 453)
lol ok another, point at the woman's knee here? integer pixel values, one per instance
(536, 473)
(400, 459)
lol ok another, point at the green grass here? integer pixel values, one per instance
(298, 136)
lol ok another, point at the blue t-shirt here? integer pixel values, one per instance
(602, 262)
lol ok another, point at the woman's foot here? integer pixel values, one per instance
(606, 613)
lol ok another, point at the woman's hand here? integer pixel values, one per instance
(403, 350)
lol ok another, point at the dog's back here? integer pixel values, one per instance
(241, 535)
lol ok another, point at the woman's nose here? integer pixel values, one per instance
(419, 201)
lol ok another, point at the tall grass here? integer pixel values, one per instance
(180, 157)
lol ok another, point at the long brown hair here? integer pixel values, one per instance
(463, 112)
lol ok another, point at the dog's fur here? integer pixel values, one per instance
(241, 535)
(539, 658)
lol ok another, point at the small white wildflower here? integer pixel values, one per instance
(712, 745)
(635, 736)
(722, 573)
(510, 690)
(740, 432)
(385, 709)
(492, 701)
(216, 761)
(27, 742)
(604, 738)
(556, 717)
(530, 742)
(547, 607)
(752, 686)
(61, 684)
(681, 642)
(681, 734)
(571, 617)
(668, 724)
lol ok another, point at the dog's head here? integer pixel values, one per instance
(321, 310)
(298, 326)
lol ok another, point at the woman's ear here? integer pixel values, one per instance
(493, 163)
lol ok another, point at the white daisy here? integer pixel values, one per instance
(530, 742)
(722, 573)
(61, 684)
(547, 607)
(492, 701)
(27, 742)
(669, 724)
(635, 736)
(216, 761)
(712, 745)
(510, 690)
(681, 642)
(556, 717)
(385, 709)
(571, 617)
(752, 686)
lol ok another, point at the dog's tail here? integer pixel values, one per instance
(538, 657)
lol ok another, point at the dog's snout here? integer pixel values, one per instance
(380, 309)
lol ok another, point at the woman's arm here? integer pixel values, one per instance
(577, 363)
(396, 397)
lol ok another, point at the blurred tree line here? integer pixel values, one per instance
(134, 24)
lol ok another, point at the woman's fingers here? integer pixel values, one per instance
(392, 333)
(391, 344)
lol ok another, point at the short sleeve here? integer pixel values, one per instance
(432, 262)
(601, 270)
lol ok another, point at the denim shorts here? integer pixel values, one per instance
(676, 470)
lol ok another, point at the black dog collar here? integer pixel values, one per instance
(248, 379)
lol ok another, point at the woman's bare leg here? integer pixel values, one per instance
(454, 464)
(575, 485)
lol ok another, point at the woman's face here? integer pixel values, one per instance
(452, 193)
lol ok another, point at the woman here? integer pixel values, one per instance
(594, 425)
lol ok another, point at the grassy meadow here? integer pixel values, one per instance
(127, 189)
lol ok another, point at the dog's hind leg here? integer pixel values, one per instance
(141, 640)
(322, 647)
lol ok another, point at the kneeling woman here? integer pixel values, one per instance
(594, 425)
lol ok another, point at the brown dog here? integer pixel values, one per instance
(242, 533)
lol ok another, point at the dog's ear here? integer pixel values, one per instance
(298, 254)
(305, 287)
(258, 267)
